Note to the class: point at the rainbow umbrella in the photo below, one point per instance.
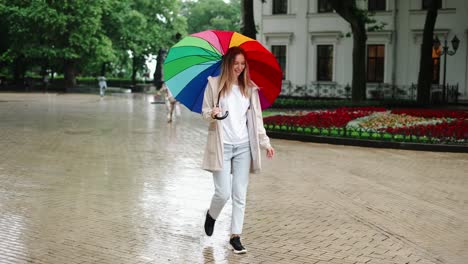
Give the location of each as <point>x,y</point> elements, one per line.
<point>189,63</point>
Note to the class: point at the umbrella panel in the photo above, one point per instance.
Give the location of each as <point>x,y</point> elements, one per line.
<point>196,42</point>
<point>192,95</point>
<point>177,66</point>
<point>180,81</point>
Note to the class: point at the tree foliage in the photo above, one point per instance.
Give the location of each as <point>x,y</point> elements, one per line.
<point>212,14</point>
<point>83,36</point>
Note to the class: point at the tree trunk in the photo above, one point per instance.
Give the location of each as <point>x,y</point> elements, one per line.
<point>19,71</point>
<point>158,73</point>
<point>359,82</point>
<point>247,19</point>
<point>134,69</point>
<point>425,64</point>
<point>347,10</point>
<point>69,74</point>
<point>103,69</point>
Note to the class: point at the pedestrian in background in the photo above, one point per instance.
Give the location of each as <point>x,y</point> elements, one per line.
<point>46,82</point>
<point>102,85</point>
<point>234,140</point>
<point>172,105</point>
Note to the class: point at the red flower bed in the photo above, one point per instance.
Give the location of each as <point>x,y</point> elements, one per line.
<point>457,129</point>
<point>432,113</point>
<point>441,126</point>
<point>323,119</point>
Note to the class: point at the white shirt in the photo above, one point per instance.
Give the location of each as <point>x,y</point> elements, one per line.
<point>235,125</point>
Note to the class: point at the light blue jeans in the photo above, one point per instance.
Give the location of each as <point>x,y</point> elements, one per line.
<point>236,161</point>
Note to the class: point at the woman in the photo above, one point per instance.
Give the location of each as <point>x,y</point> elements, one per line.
<point>171,103</point>
<point>234,140</point>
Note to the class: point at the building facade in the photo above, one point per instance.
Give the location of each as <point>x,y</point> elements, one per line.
<point>313,45</point>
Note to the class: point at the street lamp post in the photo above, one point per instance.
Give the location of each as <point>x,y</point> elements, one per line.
<point>445,51</point>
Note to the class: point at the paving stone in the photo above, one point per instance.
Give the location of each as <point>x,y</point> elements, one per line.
<point>91,180</point>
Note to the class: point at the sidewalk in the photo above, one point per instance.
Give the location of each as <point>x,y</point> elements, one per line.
<point>91,180</point>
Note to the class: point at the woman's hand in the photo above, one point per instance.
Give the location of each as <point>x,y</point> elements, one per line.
<point>270,152</point>
<point>215,111</point>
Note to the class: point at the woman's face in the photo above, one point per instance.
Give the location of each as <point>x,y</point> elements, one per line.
<point>239,64</point>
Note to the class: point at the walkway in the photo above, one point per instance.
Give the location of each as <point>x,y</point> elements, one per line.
<point>85,180</point>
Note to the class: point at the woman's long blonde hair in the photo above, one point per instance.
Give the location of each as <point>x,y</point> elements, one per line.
<point>227,74</point>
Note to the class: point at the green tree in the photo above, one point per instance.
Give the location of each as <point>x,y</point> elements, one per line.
<point>141,27</point>
<point>212,14</point>
<point>44,32</point>
<point>84,36</point>
<point>4,36</point>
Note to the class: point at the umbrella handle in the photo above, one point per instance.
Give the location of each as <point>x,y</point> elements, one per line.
<point>217,105</point>
<point>222,117</point>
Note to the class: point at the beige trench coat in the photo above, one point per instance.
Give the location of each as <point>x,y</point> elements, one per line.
<point>213,157</point>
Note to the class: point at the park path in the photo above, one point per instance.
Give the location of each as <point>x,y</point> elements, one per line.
<point>90,180</point>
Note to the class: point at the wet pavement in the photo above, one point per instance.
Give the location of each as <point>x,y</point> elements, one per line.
<point>90,180</point>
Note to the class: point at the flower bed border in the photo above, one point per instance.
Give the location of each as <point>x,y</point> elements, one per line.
<point>367,143</point>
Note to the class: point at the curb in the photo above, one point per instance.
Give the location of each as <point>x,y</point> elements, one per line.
<point>368,143</point>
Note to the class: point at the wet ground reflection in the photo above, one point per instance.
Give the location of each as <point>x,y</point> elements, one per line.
<point>91,180</point>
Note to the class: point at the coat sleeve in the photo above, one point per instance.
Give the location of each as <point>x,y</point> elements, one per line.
<point>264,140</point>
<point>207,105</point>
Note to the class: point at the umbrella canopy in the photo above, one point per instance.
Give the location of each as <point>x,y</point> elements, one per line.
<point>197,56</point>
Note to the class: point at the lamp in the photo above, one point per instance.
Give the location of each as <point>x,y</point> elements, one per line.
<point>436,43</point>
<point>445,51</point>
<point>455,43</point>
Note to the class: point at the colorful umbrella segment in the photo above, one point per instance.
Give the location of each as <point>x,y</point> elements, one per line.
<point>194,58</point>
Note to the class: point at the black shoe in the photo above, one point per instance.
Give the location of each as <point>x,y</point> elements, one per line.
<point>237,245</point>
<point>209,224</point>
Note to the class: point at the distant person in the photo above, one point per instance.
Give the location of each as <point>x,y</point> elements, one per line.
<point>46,83</point>
<point>102,85</point>
<point>172,104</point>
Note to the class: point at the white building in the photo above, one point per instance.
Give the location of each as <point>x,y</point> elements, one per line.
<point>313,48</point>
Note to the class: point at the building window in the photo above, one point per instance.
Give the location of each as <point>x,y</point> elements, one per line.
<point>436,65</point>
<point>280,7</point>
<point>375,63</point>
<point>280,53</point>
<point>325,63</point>
<point>425,4</point>
<point>376,5</point>
<point>324,6</point>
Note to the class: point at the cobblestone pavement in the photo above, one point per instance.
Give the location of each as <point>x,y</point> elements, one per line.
<point>90,180</point>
